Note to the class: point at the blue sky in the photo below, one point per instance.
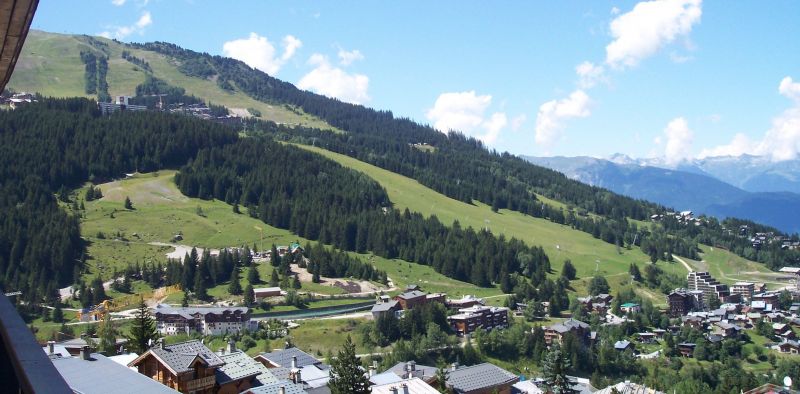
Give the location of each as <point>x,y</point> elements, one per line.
<point>674,79</point>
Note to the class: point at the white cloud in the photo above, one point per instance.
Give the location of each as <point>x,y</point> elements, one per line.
<point>552,114</point>
<point>615,11</point>
<point>740,145</point>
<point>780,142</point>
<point>290,44</point>
<point>678,144</point>
<point>334,82</point>
<point>465,112</point>
<point>348,57</point>
<point>258,52</point>
<point>518,121</point>
<point>118,3</point>
<point>790,89</point>
<point>649,26</point>
<point>589,74</point>
<point>121,32</point>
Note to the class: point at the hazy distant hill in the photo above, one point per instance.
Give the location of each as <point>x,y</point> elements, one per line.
<point>690,188</point>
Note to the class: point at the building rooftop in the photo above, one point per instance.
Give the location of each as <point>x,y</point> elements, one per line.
<point>275,388</point>
<point>384,306</point>
<point>627,387</point>
<point>180,356</point>
<point>283,358</point>
<point>188,312</point>
<point>476,377</point>
<point>420,371</point>
<point>569,325</point>
<point>411,294</point>
<point>411,386</point>
<point>622,345</point>
<point>238,365</point>
<point>101,375</point>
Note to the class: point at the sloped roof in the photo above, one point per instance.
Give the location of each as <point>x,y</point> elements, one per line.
<point>238,365</point>
<point>622,344</point>
<point>479,376</point>
<point>180,356</point>
<point>411,294</point>
<point>420,371</point>
<point>274,388</point>
<point>413,385</point>
<point>101,375</point>
<point>284,358</point>
<point>384,306</point>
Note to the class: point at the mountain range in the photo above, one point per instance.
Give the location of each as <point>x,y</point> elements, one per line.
<point>749,187</point>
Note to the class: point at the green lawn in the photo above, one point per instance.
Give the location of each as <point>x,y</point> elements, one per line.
<point>50,64</point>
<point>729,268</point>
<point>161,211</point>
<point>560,242</point>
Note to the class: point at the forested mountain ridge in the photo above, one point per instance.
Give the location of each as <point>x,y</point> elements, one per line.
<point>456,166</point>
<point>682,189</point>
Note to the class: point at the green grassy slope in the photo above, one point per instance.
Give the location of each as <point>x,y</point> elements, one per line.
<point>50,64</point>
<point>161,211</point>
<point>729,268</point>
<point>560,242</point>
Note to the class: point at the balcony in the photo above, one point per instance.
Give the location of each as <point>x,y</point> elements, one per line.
<point>200,384</point>
<point>24,367</point>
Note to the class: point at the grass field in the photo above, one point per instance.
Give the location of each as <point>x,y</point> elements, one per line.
<point>560,242</point>
<point>50,64</point>
<point>729,268</point>
<point>161,211</point>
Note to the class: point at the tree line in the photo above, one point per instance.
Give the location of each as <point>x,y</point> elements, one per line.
<point>58,144</point>
<point>318,199</point>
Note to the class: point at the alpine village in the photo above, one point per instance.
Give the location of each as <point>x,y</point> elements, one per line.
<point>175,221</point>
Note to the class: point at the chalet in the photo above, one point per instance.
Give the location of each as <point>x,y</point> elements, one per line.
<point>466,301</point>
<point>693,321</point>
<point>743,289</point>
<point>774,317</point>
<point>385,306</point>
<point>630,307</point>
<point>241,373</point>
<point>409,370</point>
<point>481,379</point>
<point>623,345</point>
<point>770,301</point>
<point>783,330</point>
<point>204,320</point>
<point>411,386</point>
<point>412,298</point>
<point>188,367</point>
<point>297,366</point>
<point>556,332</point>
<point>628,387</point>
<point>680,302</point>
<point>599,304</point>
<point>686,349</point>
<point>266,292</point>
<point>726,330</point>
<point>647,337</point>
<point>479,316</point>
<point>95,373</point>
<point>790,347</point>
<point>769,388</point>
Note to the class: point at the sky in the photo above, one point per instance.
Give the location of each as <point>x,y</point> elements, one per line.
<point>668,79</point>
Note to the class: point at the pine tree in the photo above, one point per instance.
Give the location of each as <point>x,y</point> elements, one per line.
<point>108,336</point>
<point>347,376</point>
<point>635,273</point>
<point>249,295</point>
<point>58,314</point>
<point>252,275</point>
<point>296,283</point>
<point>275,260</point>
<point>185,301</point>
<point>235,288</point>
<point>143,330</point>
<point>200,286</point>
<point>274,280</point>
<point>554,368</point>
<point>128,203</point>
<point>569,270</point>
